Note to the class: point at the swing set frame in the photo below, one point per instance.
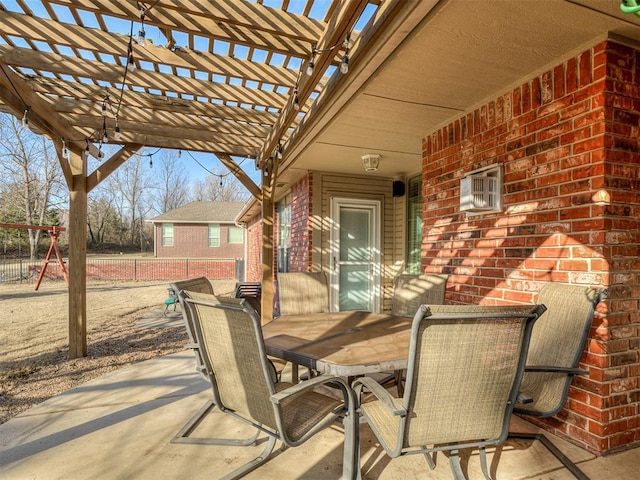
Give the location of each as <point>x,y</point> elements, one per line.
<point>54,232</point>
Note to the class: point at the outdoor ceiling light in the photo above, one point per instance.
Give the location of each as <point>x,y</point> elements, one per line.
<point>371,161</point>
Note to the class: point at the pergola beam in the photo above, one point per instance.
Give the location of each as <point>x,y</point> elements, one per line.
<point>99,42</point>
<point>255,35</point>
<point>20,98</point>
<point>107,168</point>
<point>114,74</point>
<point>242,177</point>
<point>335,33</point>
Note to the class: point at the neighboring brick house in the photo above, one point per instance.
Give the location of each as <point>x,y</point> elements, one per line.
<point>199,230</point>
<point>565,141</point>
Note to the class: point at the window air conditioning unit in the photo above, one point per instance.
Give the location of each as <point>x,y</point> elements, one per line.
<point>480,192</point>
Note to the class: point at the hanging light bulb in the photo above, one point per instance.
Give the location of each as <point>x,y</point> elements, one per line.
<point>142,37</point>
<point>279,151</point>
<point>151,162</point>
<point>310,67</point>
<point>86,149</point>
<point>296,102</point>
<point>344,66</point>
<point>179,153</point>
<point>116,132</point>
<point>220,182</point>
<point>65,150</point>
<point>131,66</point>
<point>105,137</point>
<point>25,119</point>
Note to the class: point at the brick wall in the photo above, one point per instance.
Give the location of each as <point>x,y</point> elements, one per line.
<point>254,250</point>
<point>192,240</point>
<point>567,141</point>
<point>301,225</point>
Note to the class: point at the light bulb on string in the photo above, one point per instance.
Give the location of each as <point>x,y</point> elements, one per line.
<point>131,66</point>
<point>310,67</point>
<point>25,119</point>
<point>105,137</point>
<point>344,66</point>
<point>150,162</point>
<point>142,37</point>
<point>116,132</point>
<point>179,153</point>
<point>65,150</point>
<point>296,102</point>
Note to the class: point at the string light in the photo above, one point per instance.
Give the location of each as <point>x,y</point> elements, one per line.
<point>142,37</point>
<point>279,150</point>
<point>65,150</point>
<point>105,136</point>
<point>311,65</point>
<point>104,104</point>
<point>25,118</point>
<point>86,149</point>
<point>344,66</point>
<point>131,66</point>
<point>296,101</point>
<point>150,161</point>
<point>116,131</point>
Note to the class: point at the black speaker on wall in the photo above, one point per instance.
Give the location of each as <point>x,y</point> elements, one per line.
<point>398,188</point>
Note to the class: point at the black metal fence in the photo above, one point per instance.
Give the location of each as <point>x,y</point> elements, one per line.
<point>127,269</point>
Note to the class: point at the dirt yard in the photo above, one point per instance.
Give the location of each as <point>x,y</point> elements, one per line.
<point>34,362</point>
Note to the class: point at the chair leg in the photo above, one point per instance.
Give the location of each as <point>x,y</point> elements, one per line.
<point>252,464</point>
<point>428,456</point>
<point>454,462</point>
<point>351,453</point>
<point>568,464</point>
<point>483,463</point>
<point>183,435</point>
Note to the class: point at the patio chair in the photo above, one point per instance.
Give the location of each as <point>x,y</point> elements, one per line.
<point>230,335</point>
<point>201,285</point>
<point>557,343</point>
<point>252,291</point>
<point>463,374</point>
<point>303,292</point>
<point>409,292</point>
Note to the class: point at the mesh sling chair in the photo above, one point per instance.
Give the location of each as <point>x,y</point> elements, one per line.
<point>464,369</point>
<point>183,288</point>
<point>230,336</point>
<point>300,293</point>
<point>409,292</point>
<point>557,343</point>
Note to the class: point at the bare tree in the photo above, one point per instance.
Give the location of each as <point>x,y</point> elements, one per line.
<point>173,188</point>
<point>220,186</point>
<point>30,175</point>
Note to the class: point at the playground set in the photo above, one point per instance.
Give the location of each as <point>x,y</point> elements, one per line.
<point>54,233</point>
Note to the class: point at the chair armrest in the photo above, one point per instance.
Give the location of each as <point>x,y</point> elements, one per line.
<point>554,369</point>
<point>307,385</point>
<point>392,403</point>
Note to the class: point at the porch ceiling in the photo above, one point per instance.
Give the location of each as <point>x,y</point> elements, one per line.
<point>461,55</point>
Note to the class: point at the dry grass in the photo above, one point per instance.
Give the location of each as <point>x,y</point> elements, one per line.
<point>34,362</point>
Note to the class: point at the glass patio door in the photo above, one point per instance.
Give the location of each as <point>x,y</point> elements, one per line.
<point>355,255</point>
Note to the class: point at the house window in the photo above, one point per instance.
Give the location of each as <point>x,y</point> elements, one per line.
<point>284,233</point>
<point>414,224</point>
<point>167,234</point>
<point>236,235</point>
<point>214,235</point>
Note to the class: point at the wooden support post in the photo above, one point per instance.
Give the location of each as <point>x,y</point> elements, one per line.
<point>78,258</point>
<point>269,175</point>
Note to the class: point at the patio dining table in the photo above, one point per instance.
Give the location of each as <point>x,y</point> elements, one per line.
<point>341,343</point>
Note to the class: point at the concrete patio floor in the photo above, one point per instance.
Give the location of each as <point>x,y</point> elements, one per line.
<point>120,426</point>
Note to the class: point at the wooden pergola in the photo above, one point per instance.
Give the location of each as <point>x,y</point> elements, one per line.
<point>230,78</point>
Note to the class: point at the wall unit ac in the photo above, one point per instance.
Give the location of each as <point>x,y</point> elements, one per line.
<point>481,192</point>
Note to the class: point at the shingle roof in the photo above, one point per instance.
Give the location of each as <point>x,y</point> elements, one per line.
<point>202,212</point>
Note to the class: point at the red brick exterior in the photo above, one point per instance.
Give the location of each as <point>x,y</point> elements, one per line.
<point>191,240</point>
<point>568,143</point>
<point>254,250</point>
<point>301,226</point>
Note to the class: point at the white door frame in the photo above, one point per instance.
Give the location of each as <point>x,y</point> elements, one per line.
<point>374,207</point>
